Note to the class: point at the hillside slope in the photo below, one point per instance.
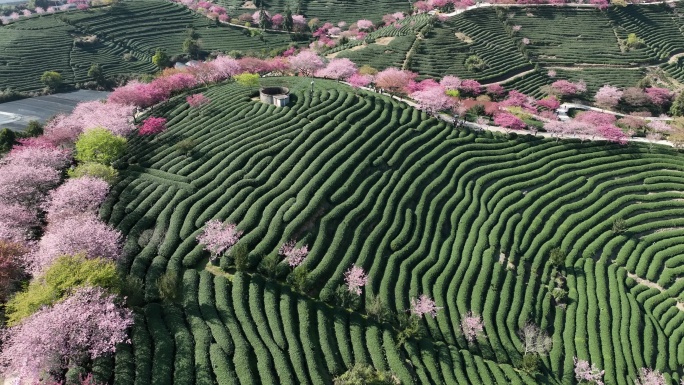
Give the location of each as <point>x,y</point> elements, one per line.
<point>468,219</point>
<point>574,43</point>
<point>35,45</point>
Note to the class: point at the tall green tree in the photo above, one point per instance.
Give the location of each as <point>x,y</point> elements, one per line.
<point>263,18</point>
<point>289,22</point>
<point>52,79</point>
<point>192,47</point>
<point>38,3</point>
<point>677,108</point>
<point>95,72</point>
<point>160,59</point>
<point>66,274</point>
<point>7,138</point>
<point>99,145</point>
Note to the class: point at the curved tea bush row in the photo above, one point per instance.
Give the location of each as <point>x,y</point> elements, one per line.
<point>443,53</point>
<point>468,219</point>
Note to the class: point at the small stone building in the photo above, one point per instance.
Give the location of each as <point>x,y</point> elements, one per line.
<point>278,96</point>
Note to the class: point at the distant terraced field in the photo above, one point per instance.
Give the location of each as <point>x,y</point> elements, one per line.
<point>46,43</point>
<point>326,10</point>
<point>577,44</point>
<point>469,219</point>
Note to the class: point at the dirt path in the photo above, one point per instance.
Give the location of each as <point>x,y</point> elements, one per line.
<point>354,48</point>
<point>574,5</point>
<point>518,75</point>
<point>563,111</point>
<point>406,63</point>
<point>652,285</point>
<point>674,58</point>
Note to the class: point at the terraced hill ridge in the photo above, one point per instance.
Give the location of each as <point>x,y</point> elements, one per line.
<point>575,43</point>
<point>469,219</point>
<point>136,27</point>
<point>325,10</point>
<point>521,45</point>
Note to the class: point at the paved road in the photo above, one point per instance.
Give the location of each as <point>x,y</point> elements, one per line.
<point>565,107</point>
<point>16,115</point>
<point>449,119</point>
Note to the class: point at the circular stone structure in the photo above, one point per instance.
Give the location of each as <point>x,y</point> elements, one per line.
<point>278,96</point>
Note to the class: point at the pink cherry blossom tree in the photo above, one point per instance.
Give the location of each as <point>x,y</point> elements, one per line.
<point>649,376</point>
<point>556,128</point>
<point>659,128</point>
<point>338,69</point>
<point>515,99</point>
<point>76,197</point>
<point>364,25</point>
<point>600,4</point>
<point>306,62</point>
<point>218,237</point>
<point>277,20</point>
<point>26,185</point>
<point>294,256</point>
<point>62,131</point>
<point>584,372</point>
<point>198,100</point>
<point>152,125</point>
<point>495,90</point>
<point>508,120</point>
<point>392,18</point>
<point>38,156</point>
<point>424,305</point>
<point>16,222</point>
<point>450,82</point>
<point>630,122</point>
<point>472,326</point>
<point>299,22</point>
<point>81,234</point>
<point>256,16</point>
<point>115,117</point>
<point>423,85</point>
<point>355,278</point>
<point>358,80</point>
<point>612,133</point>
<point>203,73</point>
<point>138,94</point>
<point>549,103</point>
<point>471,86</point>
<point>565,88</point>
<point>595,118</point>
<point>422,6</point>
<point>87,324</point>
<point>167,85</point>
<point>253,65</point>
<point>225,67</point>
<point>608,96</point>
<point>433,99</point>
<point>278,65</point>
<point>659,96</point>
<point>394,80</point>
<point>11,267</point>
